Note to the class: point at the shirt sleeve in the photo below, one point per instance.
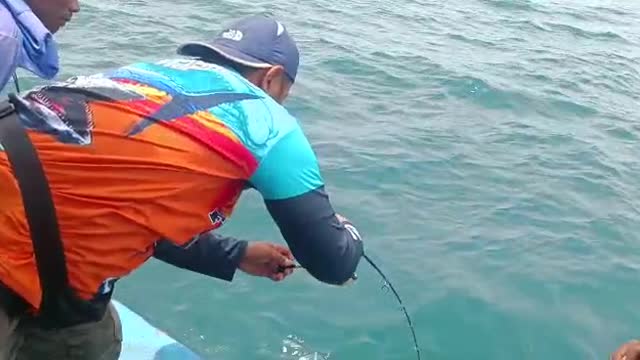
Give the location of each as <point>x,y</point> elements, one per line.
<point>9,48</point>
<point>208,254</point>
<point>289,169</point>
<point>290,182</point>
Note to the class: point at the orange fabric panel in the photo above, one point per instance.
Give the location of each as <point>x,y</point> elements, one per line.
<point>114,198</point>
<point>17,264</point>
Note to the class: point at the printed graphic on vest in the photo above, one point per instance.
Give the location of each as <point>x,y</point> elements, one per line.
<point>62,110</point>
<point>217,217</point>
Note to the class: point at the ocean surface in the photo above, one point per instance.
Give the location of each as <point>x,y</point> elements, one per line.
<point>489,151</point>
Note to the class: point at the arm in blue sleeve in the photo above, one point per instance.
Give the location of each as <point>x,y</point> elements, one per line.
<point>290,182</point>
<point>208,254</point>
<point>9,48</point>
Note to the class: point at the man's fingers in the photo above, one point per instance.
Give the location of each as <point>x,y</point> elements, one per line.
<point>617,355</point>
<point>283,260</point>
<point>277,262</point>
<point>281,263</point>
<point>285,269</point>
<point>628,351</point>
<point>283,250</point>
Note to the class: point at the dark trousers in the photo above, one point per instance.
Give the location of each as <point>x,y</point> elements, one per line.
<point>21,339</point>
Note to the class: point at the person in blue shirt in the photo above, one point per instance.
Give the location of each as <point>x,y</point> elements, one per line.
<point>262,51</point>
<point>26,36</point>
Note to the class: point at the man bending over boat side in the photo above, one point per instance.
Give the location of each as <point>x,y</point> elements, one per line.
<point>137,161</point>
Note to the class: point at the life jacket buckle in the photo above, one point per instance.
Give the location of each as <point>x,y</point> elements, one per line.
<point>7,107</point>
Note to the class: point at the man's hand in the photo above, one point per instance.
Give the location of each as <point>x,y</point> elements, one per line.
<point>628,351</point>
<point>266,260</point>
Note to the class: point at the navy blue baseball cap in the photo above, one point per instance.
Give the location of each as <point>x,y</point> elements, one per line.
<point>254,41</point>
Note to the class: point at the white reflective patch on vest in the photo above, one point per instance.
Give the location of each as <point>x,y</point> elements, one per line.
<point>107,285</point>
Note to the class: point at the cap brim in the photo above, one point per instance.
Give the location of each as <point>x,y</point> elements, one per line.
<point>199,49</point>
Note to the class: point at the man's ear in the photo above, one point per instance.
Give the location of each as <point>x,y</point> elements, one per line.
<point>272,79</point>
<point>274,83</point>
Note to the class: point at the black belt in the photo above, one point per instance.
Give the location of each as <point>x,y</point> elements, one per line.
<point>60,307</point>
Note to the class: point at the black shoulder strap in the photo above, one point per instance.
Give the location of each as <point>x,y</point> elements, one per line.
<point>38,205</point>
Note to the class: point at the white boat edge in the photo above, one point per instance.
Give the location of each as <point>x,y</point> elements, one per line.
<point>143,341</point>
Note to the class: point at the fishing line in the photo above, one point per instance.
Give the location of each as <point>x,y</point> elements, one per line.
<point>404,309</point>
<point>388,285</point>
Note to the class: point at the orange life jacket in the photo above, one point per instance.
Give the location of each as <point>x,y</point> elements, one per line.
<point>116,193</point>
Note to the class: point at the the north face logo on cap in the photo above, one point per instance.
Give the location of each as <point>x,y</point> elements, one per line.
<point>231,34</point>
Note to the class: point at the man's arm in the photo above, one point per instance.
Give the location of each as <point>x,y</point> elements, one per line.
<point>208,254</point>
<point>9,47</point>
<point>289,180</point>
<point>328,247</point>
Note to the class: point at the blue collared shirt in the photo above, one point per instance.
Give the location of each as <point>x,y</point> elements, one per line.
<point>25,42</point>
<point>10,39</point>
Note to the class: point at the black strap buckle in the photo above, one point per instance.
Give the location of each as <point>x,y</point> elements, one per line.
<point>7,107</point>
